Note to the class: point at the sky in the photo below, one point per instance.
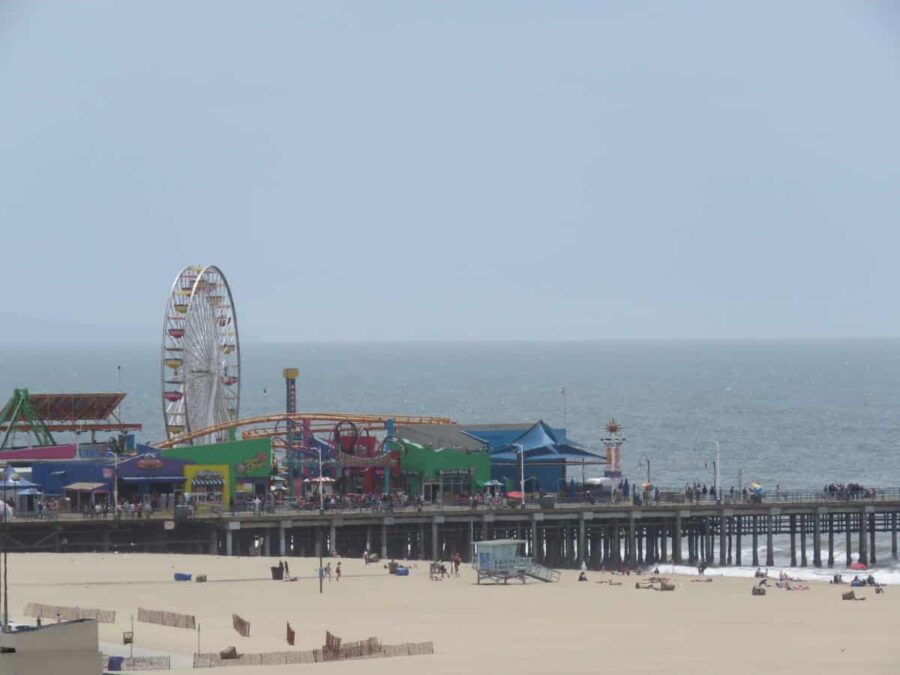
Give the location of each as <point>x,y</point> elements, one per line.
<point>503,170</point>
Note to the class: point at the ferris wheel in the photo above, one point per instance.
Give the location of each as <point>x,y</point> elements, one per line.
<point>201,357</point>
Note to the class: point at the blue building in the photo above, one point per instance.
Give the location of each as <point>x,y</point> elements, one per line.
<point>546,453</point>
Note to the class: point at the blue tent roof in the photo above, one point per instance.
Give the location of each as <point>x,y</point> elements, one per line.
<point>498,438</point>
<point>21,484</point>
<point>540,444</point>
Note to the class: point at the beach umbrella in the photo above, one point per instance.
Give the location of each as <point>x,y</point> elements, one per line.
<point>514,495</point>
<point>857,566</point>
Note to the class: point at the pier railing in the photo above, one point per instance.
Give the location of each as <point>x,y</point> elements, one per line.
<point>667,498</point>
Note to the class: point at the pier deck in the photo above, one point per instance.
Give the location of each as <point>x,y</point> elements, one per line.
<point>604,535</point>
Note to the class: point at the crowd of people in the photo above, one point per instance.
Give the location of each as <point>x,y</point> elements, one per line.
<point>848,491</point>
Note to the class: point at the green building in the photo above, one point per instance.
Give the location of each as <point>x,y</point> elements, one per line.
<point>220,471</point>
<point>431,472</point>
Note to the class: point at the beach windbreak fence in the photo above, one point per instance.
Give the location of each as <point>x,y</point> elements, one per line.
<point>37,610</point>
<point>162,618</point>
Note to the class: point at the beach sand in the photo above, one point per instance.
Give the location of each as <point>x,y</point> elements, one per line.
<point>567,627</point>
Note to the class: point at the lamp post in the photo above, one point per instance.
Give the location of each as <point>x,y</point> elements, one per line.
<point>321,513</point>
<point>718,462</point>
<point>521,471</point>
<point>115,481</point>
<point>647,461</point>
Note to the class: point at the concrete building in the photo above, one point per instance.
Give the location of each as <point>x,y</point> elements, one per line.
<point>70,647</point>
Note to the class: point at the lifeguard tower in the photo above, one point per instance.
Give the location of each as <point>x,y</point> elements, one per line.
<point>499,560</point>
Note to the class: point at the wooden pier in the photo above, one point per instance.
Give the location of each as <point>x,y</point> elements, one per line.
<point>605,536</point>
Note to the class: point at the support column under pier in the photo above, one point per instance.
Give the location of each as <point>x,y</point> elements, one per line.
<point>792,524</point>
<point>632,553</point>
<point>871,519</point>
<point>803,541</point>
<point>755,540</point>
<point>817,539</point>
<point>229,542</point>
<point>770,548</point>
<point>435,553</point>
<point>849,539</point>
<point>863,539</point>
<point>831,540</point>
<point>738,525</point>
<point>722,547</point>
<point>582,539</point>
<point>894,536</point>
<point>676,541</point>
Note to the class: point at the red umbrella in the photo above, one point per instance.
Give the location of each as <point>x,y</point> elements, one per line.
<point>514,495</point>
<point>857,566</point>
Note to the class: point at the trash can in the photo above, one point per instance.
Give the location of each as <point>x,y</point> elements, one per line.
<point>115,663</point>
<point>277,573</point>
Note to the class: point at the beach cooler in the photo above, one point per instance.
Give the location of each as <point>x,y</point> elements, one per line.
<point>402,572</point>
<point>181,576</point>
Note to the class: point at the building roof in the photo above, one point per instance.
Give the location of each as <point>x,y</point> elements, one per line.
<point>49,452</point>
<point>459,436</point>
<point>84,487</point>
<point>541,444</point>
<point>75,407</point>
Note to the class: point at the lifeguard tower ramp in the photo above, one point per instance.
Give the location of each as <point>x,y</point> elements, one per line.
<point>500,561</point>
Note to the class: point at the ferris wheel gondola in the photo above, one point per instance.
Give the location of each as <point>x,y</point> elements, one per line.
<point>201,363</point>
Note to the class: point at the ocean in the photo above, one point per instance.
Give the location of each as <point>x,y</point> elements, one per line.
<point>793,414</point>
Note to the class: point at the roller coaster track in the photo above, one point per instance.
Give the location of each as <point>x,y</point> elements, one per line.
<point>268,426</point>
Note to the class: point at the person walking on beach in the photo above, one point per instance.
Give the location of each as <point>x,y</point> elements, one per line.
<point>366,556</point>
<point>328,571</point>
<point>337,572</point>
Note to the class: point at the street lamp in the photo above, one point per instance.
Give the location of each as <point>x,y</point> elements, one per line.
<point>647,462</point>
<point>115,480</point>
<point>716,486</point>
<point>321,513</point>
<point>521,471</point>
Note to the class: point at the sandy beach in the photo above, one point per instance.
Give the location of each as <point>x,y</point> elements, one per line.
<point>568,627</point>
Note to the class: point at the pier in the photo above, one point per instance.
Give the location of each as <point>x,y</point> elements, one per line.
<point>604,535</point>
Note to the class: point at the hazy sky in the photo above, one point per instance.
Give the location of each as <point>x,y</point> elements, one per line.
<point>465,170</point>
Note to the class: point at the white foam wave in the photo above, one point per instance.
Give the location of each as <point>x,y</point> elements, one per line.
<point>884,575</point>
